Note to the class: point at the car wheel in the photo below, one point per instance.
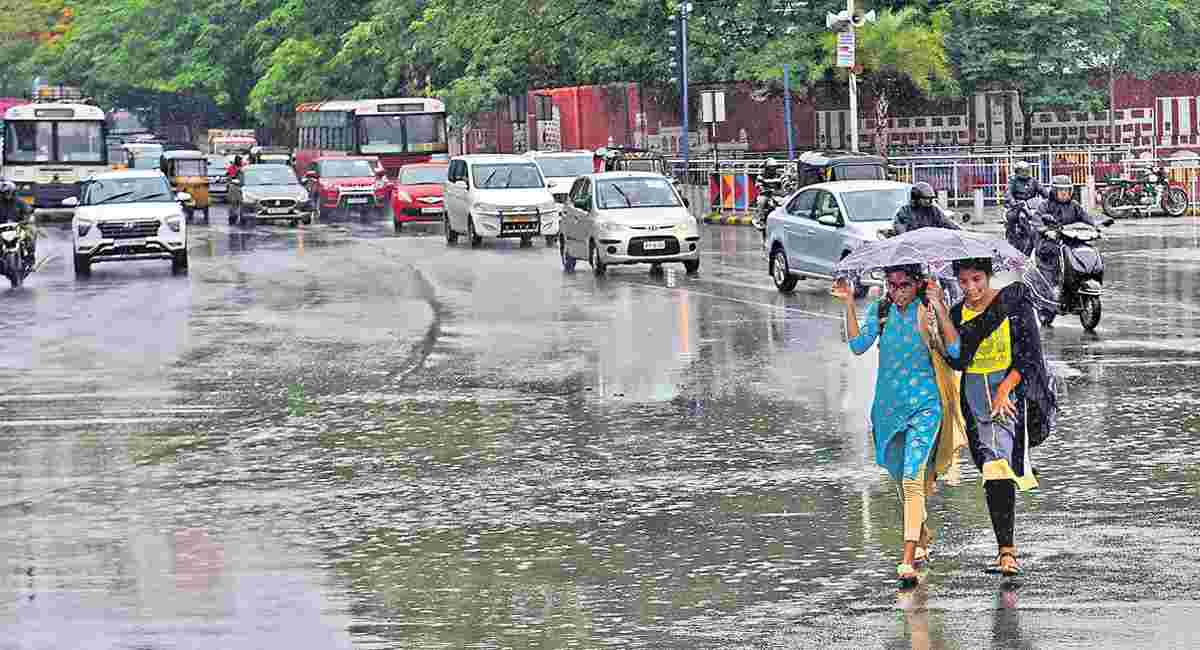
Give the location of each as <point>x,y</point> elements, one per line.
<point>784,280</point>
<point>83,266</point>
<point>476,240</point>
<point>451,236</point>
<point>550,240</point>
<point>399,225</point>
<point>568,262</point>
<point>179,262</point>
<point>526,242</point>
<point>691,266</point>
<point>598,265</point>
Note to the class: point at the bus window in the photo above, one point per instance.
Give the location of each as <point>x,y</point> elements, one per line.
<point>381,134</point>
<point>29,141</point>
<point>80,142</point>
<point>425,132</point>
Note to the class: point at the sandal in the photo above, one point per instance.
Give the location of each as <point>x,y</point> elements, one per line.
<point>1009,571</point>
<point>922,555</point>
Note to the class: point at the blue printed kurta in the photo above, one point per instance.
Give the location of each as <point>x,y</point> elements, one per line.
<point>907,411</point>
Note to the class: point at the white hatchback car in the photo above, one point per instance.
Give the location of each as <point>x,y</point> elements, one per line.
<point>628,218</point>
<point>501,196</point>
<point>128,215</point>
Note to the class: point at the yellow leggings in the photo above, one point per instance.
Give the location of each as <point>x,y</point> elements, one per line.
<point>912,496</point>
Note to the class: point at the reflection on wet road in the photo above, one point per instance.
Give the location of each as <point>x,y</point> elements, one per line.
<point>340,437</point>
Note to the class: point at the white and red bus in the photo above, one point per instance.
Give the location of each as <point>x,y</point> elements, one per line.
<point>398,131</point>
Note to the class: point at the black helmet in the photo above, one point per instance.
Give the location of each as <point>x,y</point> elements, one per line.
<point>1062,183</point>
<point>1022,169</point>
<point>922,195</point>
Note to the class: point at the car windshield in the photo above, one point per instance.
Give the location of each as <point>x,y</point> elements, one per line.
<point>270,175</point>
<point>347,169</point>
<point>562,166</point>
<point>507,175</point>
<point>635,192</point>
<point>875,205</point>
<point>422,175</point>
<point>126,190</point>
<point>190,167</point>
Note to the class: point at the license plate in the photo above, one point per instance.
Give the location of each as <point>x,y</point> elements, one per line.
<point>357,201</point>
<point>654,246</point>
<point>431,210</point>
<point>278,210</point>
<point>129,243</point>
<point>520,219</point>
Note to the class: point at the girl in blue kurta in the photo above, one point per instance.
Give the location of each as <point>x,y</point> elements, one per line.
<point>907,413</point>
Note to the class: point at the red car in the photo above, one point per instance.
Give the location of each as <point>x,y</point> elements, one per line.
<point>417,194</point>
<point>345,184</point>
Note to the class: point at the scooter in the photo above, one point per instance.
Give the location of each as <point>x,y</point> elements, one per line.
<point>1080,274</point>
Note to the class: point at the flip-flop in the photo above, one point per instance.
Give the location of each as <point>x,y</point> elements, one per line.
<point>998,569</point>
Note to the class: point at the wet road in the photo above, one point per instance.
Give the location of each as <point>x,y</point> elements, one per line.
<point>338,437</point>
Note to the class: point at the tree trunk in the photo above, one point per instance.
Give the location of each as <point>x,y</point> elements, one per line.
<point>881,122</point>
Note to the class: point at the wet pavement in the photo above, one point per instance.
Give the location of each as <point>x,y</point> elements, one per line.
<point>340,437</point>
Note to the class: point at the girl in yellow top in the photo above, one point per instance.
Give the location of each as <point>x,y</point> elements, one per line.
<point>1008,398</point>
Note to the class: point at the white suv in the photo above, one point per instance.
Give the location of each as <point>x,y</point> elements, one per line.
<point>128,215</point>
<point>501,196</point>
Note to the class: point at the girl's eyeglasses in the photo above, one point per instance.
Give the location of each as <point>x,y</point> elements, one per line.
<point>907,284</point>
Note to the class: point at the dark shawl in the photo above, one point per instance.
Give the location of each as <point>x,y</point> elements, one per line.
<point>1034,396</point>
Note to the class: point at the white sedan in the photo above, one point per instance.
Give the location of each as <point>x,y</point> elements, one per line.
<point>627,218</point>
<point>126,216</point>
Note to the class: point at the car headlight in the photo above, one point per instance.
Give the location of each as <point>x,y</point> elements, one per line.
<point>404,197</point>
<point>175,223</point>
<point>82,227</point>
<point>610,226</point>
<point>487,208</point>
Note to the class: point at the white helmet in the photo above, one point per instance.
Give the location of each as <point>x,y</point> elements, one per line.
<point>770,162</point>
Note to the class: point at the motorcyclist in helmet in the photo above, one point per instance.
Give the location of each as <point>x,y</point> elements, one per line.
<point>1022,186</point>
<point>770,170</point>
<point>922,211</point>
<point>1062,209</point>
<point>1062,206</point>
<point>13,210</point>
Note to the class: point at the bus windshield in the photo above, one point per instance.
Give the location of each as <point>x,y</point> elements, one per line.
<point>402,133</point>
<point>77,142</point>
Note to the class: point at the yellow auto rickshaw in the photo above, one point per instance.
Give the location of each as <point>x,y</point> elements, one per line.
<point>187,171</point>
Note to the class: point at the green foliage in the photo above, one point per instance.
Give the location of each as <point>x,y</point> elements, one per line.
<point>256,59</point>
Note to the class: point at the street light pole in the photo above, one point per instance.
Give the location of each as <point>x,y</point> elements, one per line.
<point>853,88</point>
<point>679,60</point>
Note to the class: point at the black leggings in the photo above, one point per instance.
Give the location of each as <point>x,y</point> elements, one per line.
<point>1001,499</point>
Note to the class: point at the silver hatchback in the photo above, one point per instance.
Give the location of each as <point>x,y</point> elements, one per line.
<point>819,225</point>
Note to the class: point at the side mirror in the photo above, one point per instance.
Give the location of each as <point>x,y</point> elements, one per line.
<point>966,217</point>
<point>549,184</point>
<point>183,197</point>
<point>70,202</point>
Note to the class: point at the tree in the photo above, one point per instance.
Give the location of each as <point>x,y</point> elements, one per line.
<point>897,50</point>
<point>1038,48</point>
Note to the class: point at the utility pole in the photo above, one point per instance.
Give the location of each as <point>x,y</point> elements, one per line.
<point>843,24</point>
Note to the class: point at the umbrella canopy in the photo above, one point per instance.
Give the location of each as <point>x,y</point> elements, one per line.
<point>931,246</point>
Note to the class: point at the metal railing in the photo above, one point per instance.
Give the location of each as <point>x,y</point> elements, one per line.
<point>960,174</point>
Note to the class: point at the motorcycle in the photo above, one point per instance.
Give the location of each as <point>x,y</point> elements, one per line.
<point>1079,276</point>
<point>14,253</point>
<point>1018,224</point>
<point>1140,195</point>
<point>771,193</point>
